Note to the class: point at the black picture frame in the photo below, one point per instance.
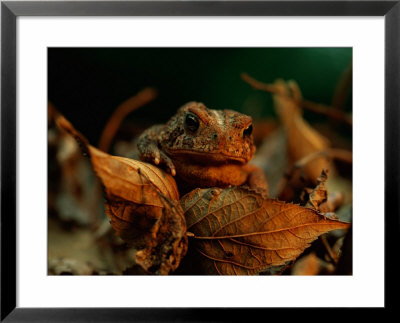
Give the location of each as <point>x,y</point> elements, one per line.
<point>10,10</point>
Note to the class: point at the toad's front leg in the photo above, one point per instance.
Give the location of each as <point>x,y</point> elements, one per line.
<point>256,179</point>
<point>149,151</point>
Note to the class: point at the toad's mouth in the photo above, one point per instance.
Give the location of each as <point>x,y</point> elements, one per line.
<point>201,157</point>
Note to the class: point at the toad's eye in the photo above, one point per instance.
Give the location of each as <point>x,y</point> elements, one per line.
<point>191,122</point>
<point>247,132</point>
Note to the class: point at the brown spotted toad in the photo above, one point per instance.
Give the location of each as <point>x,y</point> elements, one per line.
<point>204,148</point>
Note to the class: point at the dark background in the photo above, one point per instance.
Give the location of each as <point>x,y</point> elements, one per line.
<point>87,84</point>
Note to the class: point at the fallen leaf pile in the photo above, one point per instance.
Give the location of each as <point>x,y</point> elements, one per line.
<point>231,231</point>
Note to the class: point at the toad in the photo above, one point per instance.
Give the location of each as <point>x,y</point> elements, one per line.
<point>204,148</point>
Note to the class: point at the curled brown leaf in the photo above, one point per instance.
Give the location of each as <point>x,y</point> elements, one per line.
<point>302,139</point>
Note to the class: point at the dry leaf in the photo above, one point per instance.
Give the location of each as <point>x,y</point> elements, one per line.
<point>142,203</point>
<point>238,232</point>
<point>303,140</point>
<point>311,265</point>
<point>131,179</point>
<point>320,200</point>
<point>271,157</point>
<point>319,194</point>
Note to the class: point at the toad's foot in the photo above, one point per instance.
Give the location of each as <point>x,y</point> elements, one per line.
<point>154,155</point>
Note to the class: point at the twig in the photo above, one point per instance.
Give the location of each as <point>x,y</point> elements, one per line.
<point>315,107</point>
<point>329,250</point>
<point>143,97</point>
